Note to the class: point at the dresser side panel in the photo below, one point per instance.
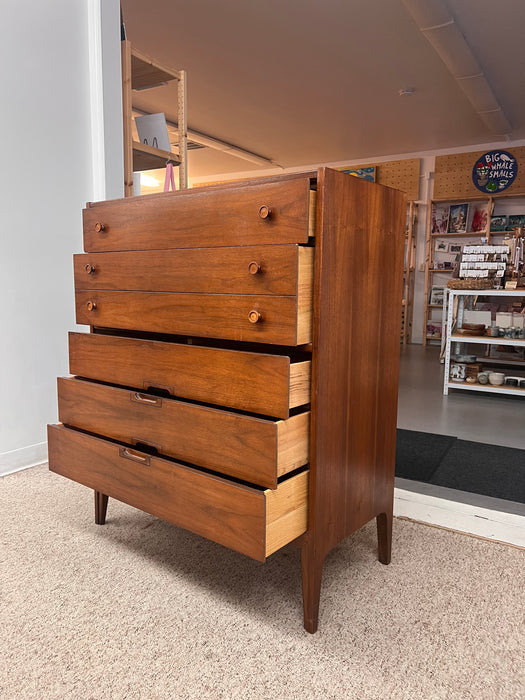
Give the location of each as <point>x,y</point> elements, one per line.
<point>357,311</point>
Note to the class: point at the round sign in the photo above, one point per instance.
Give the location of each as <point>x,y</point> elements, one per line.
<point>494,171</point>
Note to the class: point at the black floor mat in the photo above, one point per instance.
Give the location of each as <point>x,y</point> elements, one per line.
<point>489,470</point>
<point>418,455</point>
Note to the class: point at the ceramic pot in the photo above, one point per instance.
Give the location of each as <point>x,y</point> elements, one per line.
<point>496,378</point>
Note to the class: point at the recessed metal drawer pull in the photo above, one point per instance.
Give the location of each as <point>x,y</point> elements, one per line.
<point>144,398</point>
<point>134,456</point>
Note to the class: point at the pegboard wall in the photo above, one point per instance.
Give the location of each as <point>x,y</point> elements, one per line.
<point>453,176</point>
<point>400,174</point>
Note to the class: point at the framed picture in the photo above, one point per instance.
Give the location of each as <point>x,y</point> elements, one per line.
<point>498,222</point>
<point>455,248</point>
<point>362,173</point>
<point>458,218</point>
<point>442,247</point>
<point>515,220</point>
<point>479,218</point>
<point>436,295</point>
<point>440,216</point>
<point>434,329</point>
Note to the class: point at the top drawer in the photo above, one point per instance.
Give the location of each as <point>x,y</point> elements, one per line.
<point>259,213</point>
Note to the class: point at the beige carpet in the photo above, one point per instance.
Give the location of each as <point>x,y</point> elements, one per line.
<point>140,609</point>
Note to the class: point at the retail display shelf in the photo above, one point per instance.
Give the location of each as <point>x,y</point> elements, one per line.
<point>455,343</point>
<point>487,340</point>
<point>504,389</point>
<point>464,234</point>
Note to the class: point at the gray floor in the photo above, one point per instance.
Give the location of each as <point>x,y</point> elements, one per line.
<point>476,416</point>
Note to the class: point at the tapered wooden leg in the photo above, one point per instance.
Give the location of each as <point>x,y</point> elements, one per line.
<point>101,507</point>
<point>311,570</point>
<point>384,537</point>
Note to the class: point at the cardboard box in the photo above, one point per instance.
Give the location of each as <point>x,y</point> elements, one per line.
<point>504,319</point>
<point>477,317</point>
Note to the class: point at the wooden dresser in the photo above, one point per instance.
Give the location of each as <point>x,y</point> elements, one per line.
<point>240,376</point>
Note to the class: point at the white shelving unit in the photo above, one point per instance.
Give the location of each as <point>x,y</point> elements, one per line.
<point>461,340</point>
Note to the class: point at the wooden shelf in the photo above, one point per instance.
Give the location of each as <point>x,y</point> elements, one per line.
<point>408,273</point>
<point>141,72</point>
<point>150,158</point>
<point>147,73</point>
<point>459,235</point>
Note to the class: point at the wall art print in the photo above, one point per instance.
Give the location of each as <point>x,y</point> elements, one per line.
<point>362,173</point>
<point>494,171</point>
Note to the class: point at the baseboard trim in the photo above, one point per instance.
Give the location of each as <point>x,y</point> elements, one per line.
<point>496,525</point>
<point>23,458</point>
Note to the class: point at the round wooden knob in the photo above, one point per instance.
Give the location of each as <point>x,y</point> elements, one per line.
<point>99,227</point>
<point>90,269</point>
<point>254,268</point>
<point>265,212</point>
<point>91,305</point>
<point>254,316</point>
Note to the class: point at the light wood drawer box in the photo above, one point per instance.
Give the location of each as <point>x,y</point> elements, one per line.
<point>283,270</point>
<point>279,320</point>
<point>243,446</point>
<point>256,382</point>
<point>237,215</point>
<point>253,521</point>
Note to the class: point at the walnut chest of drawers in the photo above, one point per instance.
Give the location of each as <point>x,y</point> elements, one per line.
<point>240,376</point>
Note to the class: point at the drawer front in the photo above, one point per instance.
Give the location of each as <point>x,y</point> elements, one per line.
<point>279,270</point>
<point>252,521</point>
<point>253,449</point>
<point>265,319</point>
<point>248,381</point>
<point>249,214</point>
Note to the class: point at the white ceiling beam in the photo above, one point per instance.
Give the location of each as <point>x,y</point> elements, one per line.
<point>218,145</point>
<point>440,29</point>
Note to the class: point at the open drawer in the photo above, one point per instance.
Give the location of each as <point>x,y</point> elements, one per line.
<point>253,521</point>
<point>254,449</point>
<point>248,381</point>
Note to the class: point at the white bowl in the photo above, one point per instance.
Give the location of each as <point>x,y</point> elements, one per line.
<point>496,378</point>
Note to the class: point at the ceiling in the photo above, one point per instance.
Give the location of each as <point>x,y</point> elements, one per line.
<point>302,82</point>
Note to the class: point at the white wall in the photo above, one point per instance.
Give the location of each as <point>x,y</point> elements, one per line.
<point>45,180</point>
